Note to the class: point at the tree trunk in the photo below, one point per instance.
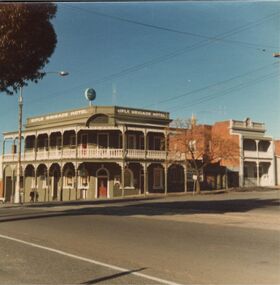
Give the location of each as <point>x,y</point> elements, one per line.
<point>197,184</point>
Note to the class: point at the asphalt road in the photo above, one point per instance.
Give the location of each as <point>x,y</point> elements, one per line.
<point>208,239</point>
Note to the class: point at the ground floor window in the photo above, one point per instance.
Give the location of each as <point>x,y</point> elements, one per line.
<point>68,179</point>
<point>158,177</point>
<point>43,178</point>
<point>83,179</point>
<point>128,178</point>
<point>176,175</point>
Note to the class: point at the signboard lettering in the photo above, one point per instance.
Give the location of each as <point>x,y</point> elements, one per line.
<point>141,113</point>
<point>58,116</point>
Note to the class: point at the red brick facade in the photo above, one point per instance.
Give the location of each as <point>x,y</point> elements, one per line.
<point>222,130</point>
<point>1,188</point>
<point>277,147</point>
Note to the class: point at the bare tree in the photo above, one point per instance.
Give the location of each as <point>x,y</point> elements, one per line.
<point>197,146</point>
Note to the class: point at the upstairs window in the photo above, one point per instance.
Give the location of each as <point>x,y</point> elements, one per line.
<point>141,142</point>
<point>72,141</point>
<point>158,143</point>
<point>131,142</point>
<point>192,145</point>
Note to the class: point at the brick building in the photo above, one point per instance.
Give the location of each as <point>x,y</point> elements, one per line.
<point>277,161</point>
<point>1,180</point>
<point>253,163</point>
<point>256,163</point>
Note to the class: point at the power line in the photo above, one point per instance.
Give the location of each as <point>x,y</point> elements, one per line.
<point>173,54</point>
<point>165,57</point>
<point>167,29</point>
<point>210,86</point>
<point>228,91</point>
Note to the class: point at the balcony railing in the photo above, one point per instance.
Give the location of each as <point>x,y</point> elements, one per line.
<point>100,153</point>
<point>156,154</point>
<point>260,154</point>
<point>135,153</point>
<point>86,153</point>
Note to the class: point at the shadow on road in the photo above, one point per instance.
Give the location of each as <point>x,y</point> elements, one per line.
<point>154,208</point>
<point>113,276</point>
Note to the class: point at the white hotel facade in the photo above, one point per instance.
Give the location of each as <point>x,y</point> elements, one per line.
<point>94,152</point>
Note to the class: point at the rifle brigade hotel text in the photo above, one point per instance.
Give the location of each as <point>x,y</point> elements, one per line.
<point>84,111</point>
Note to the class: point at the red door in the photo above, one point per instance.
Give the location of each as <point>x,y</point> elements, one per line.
<point>102,187</point>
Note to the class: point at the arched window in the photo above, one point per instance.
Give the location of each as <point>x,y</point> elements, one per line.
<point>69,178</point>
<point>83,179</point>
<point>102,172</point>
<point>158,178</point>
<point>128,178</point>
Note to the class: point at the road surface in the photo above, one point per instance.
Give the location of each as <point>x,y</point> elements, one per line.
<point>218,239</point>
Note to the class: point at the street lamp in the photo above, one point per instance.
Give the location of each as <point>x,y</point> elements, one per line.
<point>20,105</point>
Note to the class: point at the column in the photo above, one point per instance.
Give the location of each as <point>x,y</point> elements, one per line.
<point>145,168</point>
<point>35,178</point>
<point>185,178</point>
<point>258,172</point>
<point>146,190</point>
<point>3,149</point>
<point>22,194</point>
<point>124,157</point>
<point>49,138</point>
<point>76,164</point>
<point>165,178</point>
<point>24,147</point>
<point>61,183</point>
<point>14,148</point>
<point>166,164</point>
<point>226,178</point>
<point>122,170</point>
<point>35,146</point>
<point>241,167</point>
<point>219,181</point>
<point>62,143</point>
<point>124,142</point>
<point>13,185</point>
<point>257,147</point>
<point>273,165</point>
<point>61,176</point>
<point>76,182</point>
<point>145,143</point>
<point>48,182</point>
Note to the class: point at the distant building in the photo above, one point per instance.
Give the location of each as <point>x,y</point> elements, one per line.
<point>277,160</point>
<point>1,179</point>
<point>256,165</point>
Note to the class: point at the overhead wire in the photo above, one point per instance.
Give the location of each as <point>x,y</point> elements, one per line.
<point>191,92</point>
<point>166,56</point>
<point>226,92</point>
<point>172,30</point>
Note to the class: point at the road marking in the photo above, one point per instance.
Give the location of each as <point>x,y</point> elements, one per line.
<point>90,260</point>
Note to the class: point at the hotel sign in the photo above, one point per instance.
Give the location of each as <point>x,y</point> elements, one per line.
<point>142,113</point>
<point>58,116</point>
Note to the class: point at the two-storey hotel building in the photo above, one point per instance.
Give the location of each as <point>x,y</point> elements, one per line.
<point>90,153</point>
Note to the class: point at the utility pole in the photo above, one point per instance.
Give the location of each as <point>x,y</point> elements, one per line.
<point>19,169</point>
<point>17,188</point>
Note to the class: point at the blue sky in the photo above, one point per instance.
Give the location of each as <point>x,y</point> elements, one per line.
<point>211,59</point>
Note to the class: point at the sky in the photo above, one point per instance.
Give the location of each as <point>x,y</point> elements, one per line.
<point>211,59</point>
